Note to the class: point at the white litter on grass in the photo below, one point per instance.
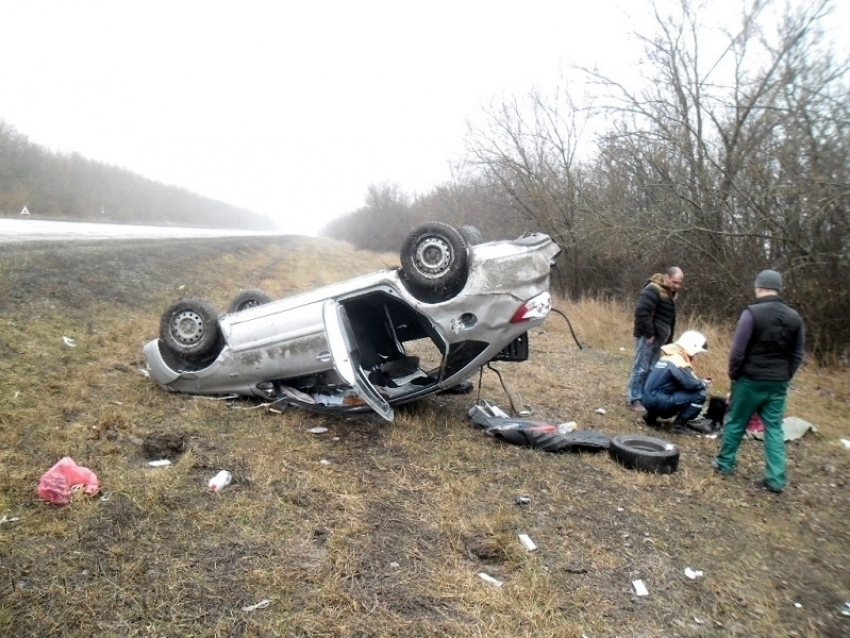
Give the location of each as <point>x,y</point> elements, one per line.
<point>669,447</point>
<point>693,574</point>
<point>640,588</point>
<point>220,481</point>
<point>317,430</point>
<point>69,342</point>
<point>600,410</point>
<point>846,610</point>
<point>489,579</point>
<point>144,373</point>
<point>324,462</point>
<point>260,605</point>
<point>6,519</point>
<point>797,605</point>
<point>845,443</point>
<point>525,539</point>
<point>159,463</point>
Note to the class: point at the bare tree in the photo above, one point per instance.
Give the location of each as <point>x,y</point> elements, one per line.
<point>734,157</point>
<point>529,150</point>
<point>729,155</point>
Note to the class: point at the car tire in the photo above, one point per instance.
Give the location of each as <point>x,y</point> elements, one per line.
<point>433,257</point>
<point>472,235</point>
<point>644,453</point>
<point>189,327</point>
<point>249,299</point>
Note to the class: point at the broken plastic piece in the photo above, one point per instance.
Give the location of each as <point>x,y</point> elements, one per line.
<point>292,393</point>
<point>260,605</point>
<point>640,588</point>
<point>693,574</point>
<point>567,427</point>
<point>159,463</point>
<point>58,484</point>
<point>525,539</point>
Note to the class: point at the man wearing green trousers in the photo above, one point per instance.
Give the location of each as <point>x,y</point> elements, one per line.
<point>767,350</point>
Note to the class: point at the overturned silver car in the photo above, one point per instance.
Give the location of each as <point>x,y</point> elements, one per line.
<point>386,338</point>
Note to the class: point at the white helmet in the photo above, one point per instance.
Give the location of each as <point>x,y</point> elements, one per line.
<point>692,342</point>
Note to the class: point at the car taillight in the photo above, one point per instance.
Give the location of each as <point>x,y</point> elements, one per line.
<point>535,308</point>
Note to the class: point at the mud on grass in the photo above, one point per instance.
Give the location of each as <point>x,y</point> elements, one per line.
<point>376,529</point>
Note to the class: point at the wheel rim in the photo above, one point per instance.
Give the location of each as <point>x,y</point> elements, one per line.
<point>433,256</point>
<point>187,327</point>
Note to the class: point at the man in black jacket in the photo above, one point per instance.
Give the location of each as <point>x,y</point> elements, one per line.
<point>767,349</point>
<point>655,322</point>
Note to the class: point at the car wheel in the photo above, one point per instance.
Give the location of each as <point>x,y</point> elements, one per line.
<point>433,256</point>
<point>189,326</point>
<point>472,235</point>
<point>644,453</point>
<point>249,299</point>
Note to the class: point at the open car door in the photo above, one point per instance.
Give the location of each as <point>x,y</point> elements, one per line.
<point>346,357</point>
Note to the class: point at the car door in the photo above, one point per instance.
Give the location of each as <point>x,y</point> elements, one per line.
<point>346,357</point>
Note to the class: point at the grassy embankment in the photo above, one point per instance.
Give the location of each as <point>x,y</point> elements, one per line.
<point>388,537</point>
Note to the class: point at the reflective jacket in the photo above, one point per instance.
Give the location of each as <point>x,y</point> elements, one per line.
<point>672,383</point>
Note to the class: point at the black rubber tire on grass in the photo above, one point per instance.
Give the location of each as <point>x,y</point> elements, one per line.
<point>189,327</point>
<point>644,453</point>
<point>249,299</point>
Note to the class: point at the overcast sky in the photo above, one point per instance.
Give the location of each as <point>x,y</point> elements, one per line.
<point>290,109</point>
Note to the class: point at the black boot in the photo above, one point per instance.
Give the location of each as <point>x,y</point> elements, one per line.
<point>651,419</point>
<point>680,426</point>
<point>704,425</point>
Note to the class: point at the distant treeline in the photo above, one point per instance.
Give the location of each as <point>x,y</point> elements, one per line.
<point>723,160</point>
<point>72,188</point>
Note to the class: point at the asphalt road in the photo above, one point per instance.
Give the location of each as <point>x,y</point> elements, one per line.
<point>24,229</point>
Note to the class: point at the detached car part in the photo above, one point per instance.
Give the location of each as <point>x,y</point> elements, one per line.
<point>374,341</point>
<point>644,453</point>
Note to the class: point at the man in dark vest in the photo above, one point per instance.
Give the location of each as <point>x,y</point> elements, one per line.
<point>767,349</point>
<point>655,322</point>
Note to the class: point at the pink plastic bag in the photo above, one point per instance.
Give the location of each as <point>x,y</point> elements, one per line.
<point>60,481</point>
<point>755,425</point>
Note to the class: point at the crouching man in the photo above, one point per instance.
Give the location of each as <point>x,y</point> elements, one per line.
<point>673,387</point>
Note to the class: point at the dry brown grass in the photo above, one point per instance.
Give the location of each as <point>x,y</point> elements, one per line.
<point>388,537</point>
